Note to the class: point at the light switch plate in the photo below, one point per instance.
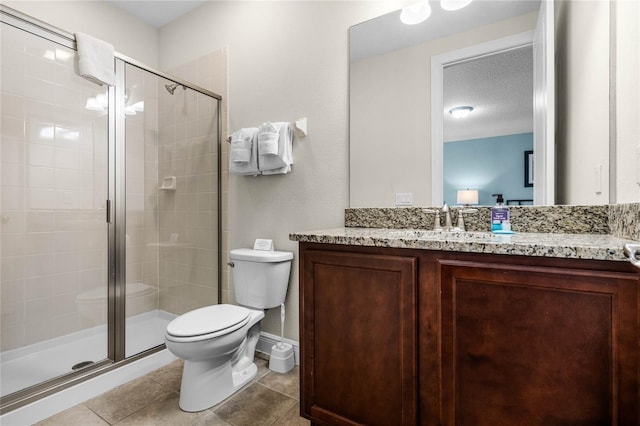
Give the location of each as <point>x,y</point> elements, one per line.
<point>404,198</point>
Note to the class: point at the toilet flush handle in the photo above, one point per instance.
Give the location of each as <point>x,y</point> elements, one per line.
<point>231,264</point>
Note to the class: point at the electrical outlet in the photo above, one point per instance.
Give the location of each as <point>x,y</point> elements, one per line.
<point>404,198</point>
<point>597,178</point>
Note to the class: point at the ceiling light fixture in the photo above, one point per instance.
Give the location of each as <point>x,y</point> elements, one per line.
<point>454,4</point>
<point>415,13</point>
<point>460,111</point>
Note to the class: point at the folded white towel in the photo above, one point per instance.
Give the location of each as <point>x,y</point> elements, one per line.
<point>241,150</point>
<point>268,135</point>
<point>95,60</point>
<point>280,163</point>
<point>244,138</point>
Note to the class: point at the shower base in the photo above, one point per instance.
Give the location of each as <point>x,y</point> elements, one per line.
<point>33,364</point>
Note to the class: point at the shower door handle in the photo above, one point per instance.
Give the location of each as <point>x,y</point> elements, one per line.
<point>108,204</point>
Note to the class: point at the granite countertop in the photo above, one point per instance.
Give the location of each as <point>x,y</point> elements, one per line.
<point>576,246</point>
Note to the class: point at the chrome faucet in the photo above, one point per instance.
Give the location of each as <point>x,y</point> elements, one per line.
<point>447,217</point>
<point>460,224</point>
<point>448,222</point>
<point>437,226</point>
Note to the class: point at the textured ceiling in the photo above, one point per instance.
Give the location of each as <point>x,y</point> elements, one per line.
<point>499,88</point>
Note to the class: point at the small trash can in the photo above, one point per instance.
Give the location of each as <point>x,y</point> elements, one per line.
<point>281,359</point>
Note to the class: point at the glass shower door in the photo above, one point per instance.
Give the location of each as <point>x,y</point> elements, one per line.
<point>53,228</point>
<point>171,204</point>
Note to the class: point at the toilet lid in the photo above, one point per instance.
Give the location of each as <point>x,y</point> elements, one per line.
<point>208,320</point>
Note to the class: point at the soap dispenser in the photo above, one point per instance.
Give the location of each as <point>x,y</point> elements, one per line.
<point>500,215</point>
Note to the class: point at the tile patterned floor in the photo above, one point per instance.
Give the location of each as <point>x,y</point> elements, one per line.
<point>270,399</point>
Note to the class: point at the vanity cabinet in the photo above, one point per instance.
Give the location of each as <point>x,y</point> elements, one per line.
<point>537,345</point>
<point>403,336</point>
<point>359,338</point>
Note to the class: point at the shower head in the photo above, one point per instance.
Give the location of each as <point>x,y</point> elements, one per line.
<point>172,87</point>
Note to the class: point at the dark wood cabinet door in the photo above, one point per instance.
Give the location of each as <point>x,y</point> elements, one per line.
<point>525,345</point>
<point>358,340</point>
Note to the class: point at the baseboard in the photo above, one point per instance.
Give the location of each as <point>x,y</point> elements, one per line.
<point>267,340</point>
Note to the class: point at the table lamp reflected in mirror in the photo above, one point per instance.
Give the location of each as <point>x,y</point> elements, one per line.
<point>466,197</point>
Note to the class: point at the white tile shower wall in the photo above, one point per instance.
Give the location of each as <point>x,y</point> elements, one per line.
<point>188,216</point>
<point>53,161</point>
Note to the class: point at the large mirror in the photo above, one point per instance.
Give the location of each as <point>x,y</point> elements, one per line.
<point>407,149</point>
<point>487,140</point>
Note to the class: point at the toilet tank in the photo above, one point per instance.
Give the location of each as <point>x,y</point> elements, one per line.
<point>260,278</point>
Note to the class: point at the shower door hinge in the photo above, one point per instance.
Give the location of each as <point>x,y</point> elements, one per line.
<point>108,211</point>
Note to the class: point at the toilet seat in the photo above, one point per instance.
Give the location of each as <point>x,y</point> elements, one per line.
<point>207,323</point>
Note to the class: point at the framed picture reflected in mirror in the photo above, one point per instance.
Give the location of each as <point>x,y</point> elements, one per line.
<point>528,168</point>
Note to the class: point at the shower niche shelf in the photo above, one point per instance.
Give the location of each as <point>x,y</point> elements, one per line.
<point>168,183</point>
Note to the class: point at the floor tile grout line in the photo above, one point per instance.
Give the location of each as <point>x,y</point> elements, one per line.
<point>275,390</point>
<point>94,412</point>
<point>278,391</point>
<point>229,398</point>
<point>147,404</point>
<point>293,402</point>
<point>275,422</point>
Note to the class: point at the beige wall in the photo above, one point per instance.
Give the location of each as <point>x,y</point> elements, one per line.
<point>129,35</point>
<point>390,113</point>
<point>582,104</point>
<point>628,101</point>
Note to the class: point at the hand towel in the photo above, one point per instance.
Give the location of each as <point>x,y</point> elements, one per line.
<point>241,144</point>
<point>280,163</point>
<point>268,135</point>
<point>95,60</point>
<point>246,136</point>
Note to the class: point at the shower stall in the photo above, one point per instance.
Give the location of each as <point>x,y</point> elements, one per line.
<point>109,211</point>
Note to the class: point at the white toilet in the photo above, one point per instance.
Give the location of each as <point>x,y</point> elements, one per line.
<point>218,342</point>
